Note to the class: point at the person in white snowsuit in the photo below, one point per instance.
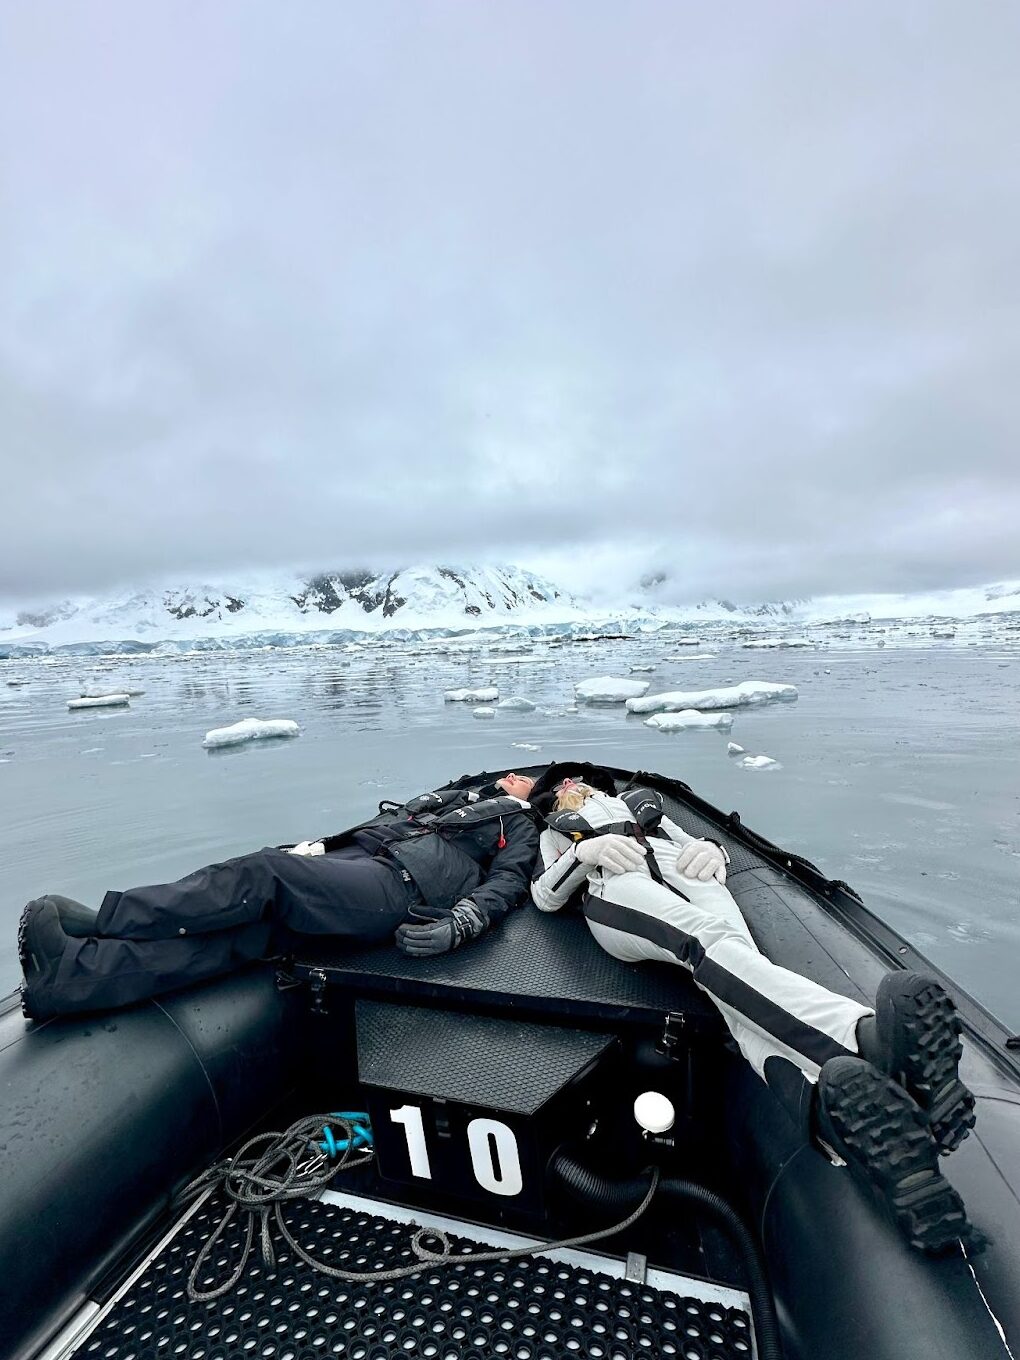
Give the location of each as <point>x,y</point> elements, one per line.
<point>880,1090</point>
<point>664,897</point>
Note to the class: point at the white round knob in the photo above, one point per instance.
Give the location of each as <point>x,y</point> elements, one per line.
<point>654,1112</point>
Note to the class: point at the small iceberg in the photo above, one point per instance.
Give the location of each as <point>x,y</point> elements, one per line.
<point>518,704</point>
<point>758,763</point>
<point>688,718</point>
<point>736,696</point>
<point>686,642</point>
<point>471,696</point>
<point>250,729</point>
<point>96,691</point>
<point>609,689</point>
<point>778,642</point>
<point>483,713</point>
<point>691,656</point>
<point>101,701</point>
<point>732,749</point>
<point>634,669</point>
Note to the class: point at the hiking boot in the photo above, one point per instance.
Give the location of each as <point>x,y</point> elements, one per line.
<point>41,945</point>
<point>869,1121</point>
<point>914,1037</point>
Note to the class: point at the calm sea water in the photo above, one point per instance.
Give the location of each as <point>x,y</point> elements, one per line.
<point>899,773</point>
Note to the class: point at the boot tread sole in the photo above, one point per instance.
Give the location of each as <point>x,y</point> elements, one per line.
<point>880,1131</point>
<point>926,1051</point>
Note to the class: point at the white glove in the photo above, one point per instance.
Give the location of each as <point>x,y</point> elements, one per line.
<point>614,853</point>
<point>308,848</point>
<point>702,860</point>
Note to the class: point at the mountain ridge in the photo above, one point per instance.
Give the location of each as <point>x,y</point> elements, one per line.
<point>451,598</point>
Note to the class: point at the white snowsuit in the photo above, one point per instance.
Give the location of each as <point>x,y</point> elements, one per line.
<point>770,1011</point>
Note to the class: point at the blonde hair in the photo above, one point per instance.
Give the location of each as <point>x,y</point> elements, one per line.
<point>573,799</point>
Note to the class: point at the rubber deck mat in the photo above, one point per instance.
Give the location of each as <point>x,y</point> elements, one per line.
<point>535,1308</point>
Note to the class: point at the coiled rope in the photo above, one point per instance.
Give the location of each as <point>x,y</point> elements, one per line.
<point>292,1165</point>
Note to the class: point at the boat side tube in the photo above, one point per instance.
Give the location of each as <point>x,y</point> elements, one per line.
<point>845,1283</point>
<point>103,1119</point>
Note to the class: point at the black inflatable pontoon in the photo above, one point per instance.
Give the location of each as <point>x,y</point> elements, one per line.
<point>497,1084</point>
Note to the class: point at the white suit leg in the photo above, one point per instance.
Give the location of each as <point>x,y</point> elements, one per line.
<point>770,1011</point>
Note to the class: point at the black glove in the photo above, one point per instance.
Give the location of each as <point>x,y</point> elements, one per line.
<point>428,933</point>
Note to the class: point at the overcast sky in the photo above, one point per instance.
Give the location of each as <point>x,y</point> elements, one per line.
<point>728,289</point>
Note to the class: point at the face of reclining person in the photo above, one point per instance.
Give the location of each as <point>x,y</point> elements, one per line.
<point>516,785</point>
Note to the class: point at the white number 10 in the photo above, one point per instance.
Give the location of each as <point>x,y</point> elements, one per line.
<point>495,1158</point>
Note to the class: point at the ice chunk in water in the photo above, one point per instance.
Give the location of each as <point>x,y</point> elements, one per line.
<point>483,713</point>
<point>250,729</point>
<point>758,763</point>
<point>471,696</point>
<point>517,703</point>
<point>609,689</point>
<point>688,718</point>
<point>736,696</point>
<point>101,701</point>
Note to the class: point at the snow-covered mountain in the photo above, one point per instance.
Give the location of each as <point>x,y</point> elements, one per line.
<point>361,601</point>
<point>347,604</point>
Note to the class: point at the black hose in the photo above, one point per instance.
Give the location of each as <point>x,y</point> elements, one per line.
<point>592,1189</point>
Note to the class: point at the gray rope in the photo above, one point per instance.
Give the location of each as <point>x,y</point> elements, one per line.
<point>257,1185</point>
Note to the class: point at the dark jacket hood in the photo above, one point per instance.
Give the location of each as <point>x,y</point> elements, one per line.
<point>542,798</point>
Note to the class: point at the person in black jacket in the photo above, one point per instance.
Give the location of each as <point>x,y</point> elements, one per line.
<point>449,866</point>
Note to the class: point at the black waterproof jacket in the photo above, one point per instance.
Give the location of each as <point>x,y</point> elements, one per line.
<point>455,845</point>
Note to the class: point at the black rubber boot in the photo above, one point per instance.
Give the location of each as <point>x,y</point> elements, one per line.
<point>915,1039</point>
<point>41,945</point>
<point>76,920</point>
<point>869,1121</point>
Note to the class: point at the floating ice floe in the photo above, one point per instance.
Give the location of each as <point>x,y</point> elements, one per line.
<point>471,696</point>
<point>250,729</point>
<point>609,689</point>
<point>634,669</point>
<point>686,642</point>
<point>101,701</point>
<point>518,704</point>
<point>530,659</point>
<point>526,746</point>
<point>732,749</point>
<point>98,692</point>
<point>691,656</point>
<point>778,642</point>
<point>758,763</point>
<point>483,713</point>
<point>736,696</point>
<point>688,718</point>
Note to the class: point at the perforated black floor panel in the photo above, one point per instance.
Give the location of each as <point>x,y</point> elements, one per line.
<point>473,1059</point>
<point>531,1309</point>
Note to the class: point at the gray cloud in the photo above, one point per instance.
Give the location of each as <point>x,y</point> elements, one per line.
<point>315,285</point>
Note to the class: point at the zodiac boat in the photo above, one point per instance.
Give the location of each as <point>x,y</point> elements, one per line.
<point>449,1128</point>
